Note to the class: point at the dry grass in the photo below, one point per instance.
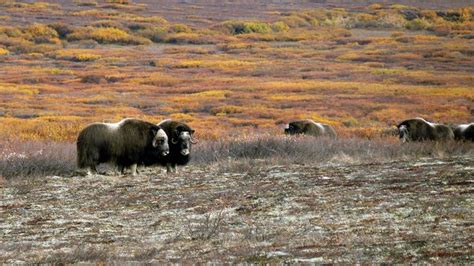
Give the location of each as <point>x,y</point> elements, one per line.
<point>246,154</point>
<point>37,159</point>
<point>308,150</point>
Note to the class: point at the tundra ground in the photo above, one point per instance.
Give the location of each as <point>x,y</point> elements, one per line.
<point>395,211</point>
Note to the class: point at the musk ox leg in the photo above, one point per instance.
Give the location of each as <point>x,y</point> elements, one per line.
<point>170,168</point>
<point>119,169</point>
<point>90,170</point>
<point>133,167</point>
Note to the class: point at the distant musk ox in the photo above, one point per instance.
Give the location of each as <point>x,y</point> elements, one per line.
<point>124,144</point>
<point>418,129</point>
<point>180,139</point>
<point>309,127</point>
<point>464,132</point>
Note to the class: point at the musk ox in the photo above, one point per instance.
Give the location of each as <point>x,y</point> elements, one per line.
<point>309,127</point>
<point>418,129</point>
<point>180,139</point>
<point>464,132</point>
<point>124,144</point>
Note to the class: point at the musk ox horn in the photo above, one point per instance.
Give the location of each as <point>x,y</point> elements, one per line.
<point>174,141</point>
<point>193,140</point>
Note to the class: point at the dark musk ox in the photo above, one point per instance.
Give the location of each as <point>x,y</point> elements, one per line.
<point>180,139</point>
<point>124,144</point>
<point>464,132</point>
<point>418,129</point>
<point>311,128</point>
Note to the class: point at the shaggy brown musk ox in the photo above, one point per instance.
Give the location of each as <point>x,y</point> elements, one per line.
<point>124,144</point>
<point>418,129</point>
<point>464,132</point>
<point>180,139</point>
<point>311,128</point>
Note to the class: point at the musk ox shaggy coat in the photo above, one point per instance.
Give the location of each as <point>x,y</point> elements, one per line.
<point>124,144</point>
<point>311,128</point>
<point>418,129</point>
<point>464,132</point>
<point>180,139</point>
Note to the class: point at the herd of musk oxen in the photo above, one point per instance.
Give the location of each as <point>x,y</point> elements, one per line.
<point>132,142</point>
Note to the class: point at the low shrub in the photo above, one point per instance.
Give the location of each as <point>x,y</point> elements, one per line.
<point>179,28</point>
<point>110,35</point>
<point>188,38</point>
<point>308,150</point>
<point>418,24</point>
<point>61,28</point>
<point>155,34</point>
<point>40,33</point>
<point>107,24</point>
<point>121,2</point>
<point>242,27</point>
<point>39,158</point>
<point>85,2</point>
<point>107,36</point>
<point>280,26</point>
<point>77,55</point>
<point>36,159</point>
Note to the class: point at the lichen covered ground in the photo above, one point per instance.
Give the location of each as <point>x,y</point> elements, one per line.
<point>382,212</point>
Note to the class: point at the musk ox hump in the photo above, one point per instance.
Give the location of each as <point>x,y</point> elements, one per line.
<point>116,126</point>
<point>319,125</point>
<point>421,119</point>
<point>464,132</point>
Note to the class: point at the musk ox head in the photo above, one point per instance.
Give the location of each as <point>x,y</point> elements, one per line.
<point>182,137</point>
<point>160,141</point>
<point>296,127</point>
<point>403,133</point>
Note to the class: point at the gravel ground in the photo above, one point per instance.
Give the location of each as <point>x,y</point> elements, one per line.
<point>396,212</point>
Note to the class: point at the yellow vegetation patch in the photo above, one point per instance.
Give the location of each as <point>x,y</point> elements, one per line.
<point>227,109</point>
<point>41,128</point>
<point>183,117</point>
<point>391,115</point>
<point>3,51</point>
<point>292,97</point>
<point>110,35</point>
<point>349,56</point>
<point>230,64</point>
<point>79,55</point>
<point>389,71</point>
<point>157,79</point>
<point>214,94</point>
<point>6,88</point>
